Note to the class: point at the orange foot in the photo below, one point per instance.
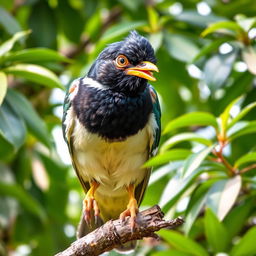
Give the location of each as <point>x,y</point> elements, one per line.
<point>90,205</point>
<point>132,207</point>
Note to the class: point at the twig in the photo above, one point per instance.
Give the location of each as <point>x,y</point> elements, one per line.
<point>115,232</point>
<point>248,168</point>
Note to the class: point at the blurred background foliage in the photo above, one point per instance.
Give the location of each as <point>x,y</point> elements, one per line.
<point>205,170</point>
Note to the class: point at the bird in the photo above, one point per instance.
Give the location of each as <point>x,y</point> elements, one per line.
<point>112,125</point>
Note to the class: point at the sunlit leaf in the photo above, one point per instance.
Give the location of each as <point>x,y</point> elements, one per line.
<point>167,156</point>
<point>247,158</point>
<point>222,196</point>
<point>249,57</point>
<point>171,253</point>
<point>153,18</point>
<point>241,114</point>
<point>184,137</point>
<point>192,119</point>
<point>215,230</point>
<point>7,45</point>
<point>35,55</point>
<point>36,74</point>
<point>244,22</point>
<point>224,117</point>
<point>182,243</point>
<point>34,123</point>
<point>246,245</point>
<point>224,27</point>
<point>3,86</point>
<point>195,160</point>
<point>242,128</point>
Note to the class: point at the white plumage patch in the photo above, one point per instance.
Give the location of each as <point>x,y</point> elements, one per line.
<point>114,164</point>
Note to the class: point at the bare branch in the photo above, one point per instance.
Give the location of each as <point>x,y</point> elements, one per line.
<point>114,233</point>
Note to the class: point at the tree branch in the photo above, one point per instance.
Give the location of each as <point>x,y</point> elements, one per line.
<point>116,232</point>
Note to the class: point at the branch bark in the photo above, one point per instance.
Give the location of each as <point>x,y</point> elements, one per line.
<point>116,232</point>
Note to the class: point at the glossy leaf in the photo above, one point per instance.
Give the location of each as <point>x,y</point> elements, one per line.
<point>222,196</point>
<point>182,243</point>
<point>249,57</point>
<point>242,113</point>
<point>192,119</point>
<point>9,23</point>
<point>247,158</point>
<point>242,128</point>
<point>224,117</point>
<point>171,253</point>
<point>180,47</point>
<point>3,86</point>
<point>34,123</point>
<point>216,233</point>
<point>223,26</point>
<point>26,200</point>
<point>195,160</point>
<point>12,127</point>
<point>36,74</point>
<point>184,137</point>
<point>8,45</point>
<point>246,245</point>
<point>35,55</point>
<point>167,156</point>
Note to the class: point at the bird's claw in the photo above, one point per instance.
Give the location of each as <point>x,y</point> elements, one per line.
<point>90,208</point>
<point>132,210</point>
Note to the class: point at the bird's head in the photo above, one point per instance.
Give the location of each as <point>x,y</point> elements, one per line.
<point>126,66</point>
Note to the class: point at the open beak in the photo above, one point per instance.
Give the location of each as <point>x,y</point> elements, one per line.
<point>143,70</point>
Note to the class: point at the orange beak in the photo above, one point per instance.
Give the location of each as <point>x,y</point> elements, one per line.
<point>143,70</point>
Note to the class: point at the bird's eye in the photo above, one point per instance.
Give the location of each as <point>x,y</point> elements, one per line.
<point>121,61</point>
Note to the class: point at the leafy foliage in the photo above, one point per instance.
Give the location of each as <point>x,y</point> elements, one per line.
<point>205,169</point>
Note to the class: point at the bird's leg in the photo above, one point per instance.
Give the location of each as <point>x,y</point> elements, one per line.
<point>132,207</point>
<point>90,203</point>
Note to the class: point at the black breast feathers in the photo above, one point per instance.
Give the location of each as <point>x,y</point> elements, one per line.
<point>112,115</point>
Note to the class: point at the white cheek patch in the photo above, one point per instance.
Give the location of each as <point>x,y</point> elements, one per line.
<point>94,84</point>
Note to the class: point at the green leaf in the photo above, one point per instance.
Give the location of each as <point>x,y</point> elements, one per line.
<point>225,115</point>
<point>190,119</point>
<point>26,200</point>
<point>241,114</point>
<point>242,128</point>
<point>12,127</point>
<point>247,158</point>
<point>217,69</point>
<point>120,29</point>
<point>36,74</point>
<point>249,57</point>
<point>216,233</point>
<point>153,18</point>
<point>209,48</point>
<point>9,23</point>
<point>184,137</point>
<point>8,45</point>
<point>223,26</point>
<point>35,124</point>
<point>244,22</point>
<point>239,215</point>
<point>247,245</point>
<point>182,243</point>
<point>35,55</point>
<point>3,86</point>
<point>181,47</point>
<point>195,160</point>
<point>167,156</point>
<point>222,196</point>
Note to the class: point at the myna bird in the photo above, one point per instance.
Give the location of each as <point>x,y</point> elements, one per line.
<point>111,124</point>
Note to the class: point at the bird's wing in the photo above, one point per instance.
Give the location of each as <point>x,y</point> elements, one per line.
<point>140,189</point>
<point>68,122</point>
